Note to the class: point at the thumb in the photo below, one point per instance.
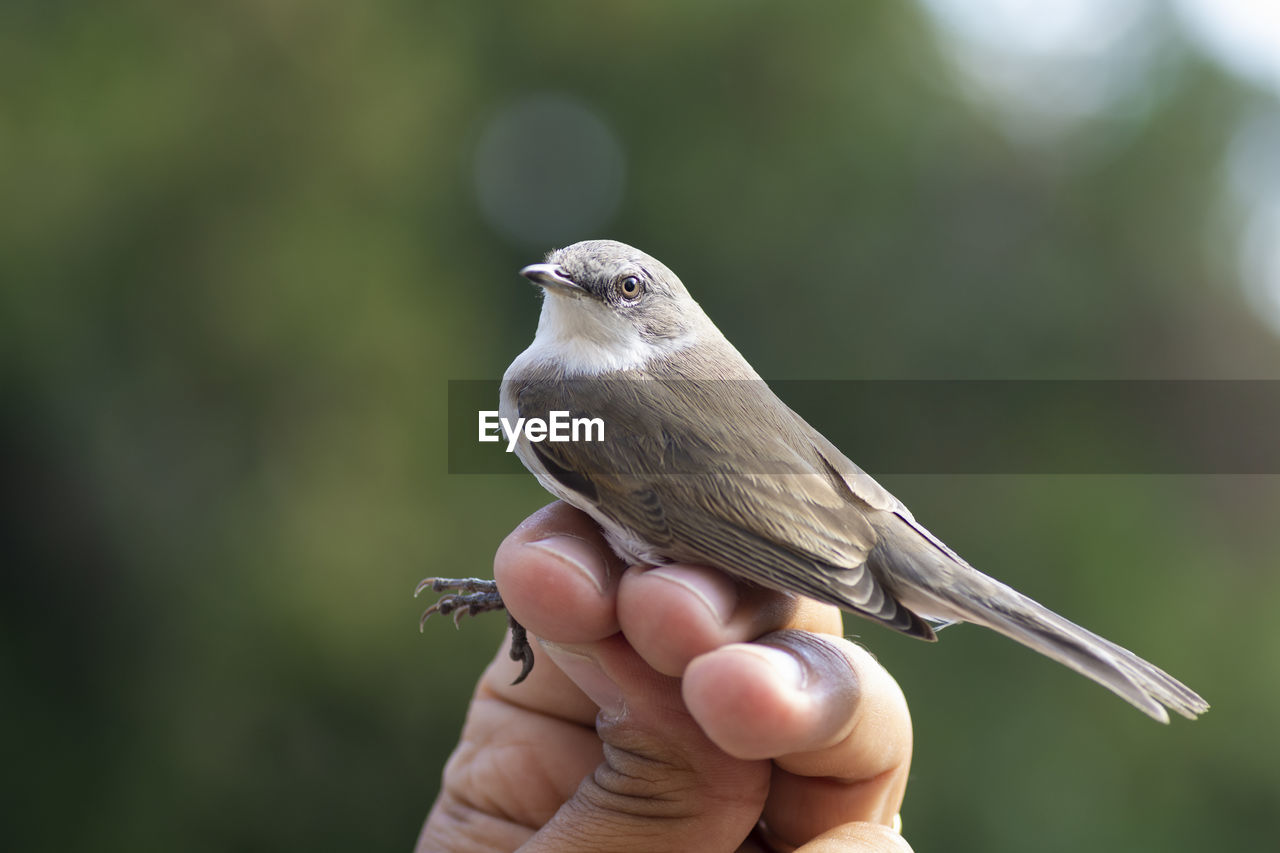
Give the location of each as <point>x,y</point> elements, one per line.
<point>662,782</point>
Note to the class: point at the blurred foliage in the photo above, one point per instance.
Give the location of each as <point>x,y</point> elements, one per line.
<point>242,256</point>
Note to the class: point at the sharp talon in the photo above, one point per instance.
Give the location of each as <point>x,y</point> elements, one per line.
<point>427,614</point>
<point>526,667</point>
<point>520,650</point>
<point>422,585</point>
<point>458,614</point>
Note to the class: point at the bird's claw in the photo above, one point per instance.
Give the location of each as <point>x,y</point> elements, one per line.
<point>471,597</point>
<point>521,650</point>
<point>467,597</point>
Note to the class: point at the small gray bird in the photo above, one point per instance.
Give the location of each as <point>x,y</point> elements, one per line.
<point>701,463</point>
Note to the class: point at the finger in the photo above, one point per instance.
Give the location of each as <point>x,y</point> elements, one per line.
<point>833,718</point>
<point>662,781</point>
<point>674,613</point>
<point>559,579</point>
<point>558,576</point>
<point>857,838</point>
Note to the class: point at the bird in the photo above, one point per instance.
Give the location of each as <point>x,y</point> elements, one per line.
<point>701,463</point>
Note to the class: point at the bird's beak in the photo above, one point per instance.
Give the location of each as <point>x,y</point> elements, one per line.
<point>552,277</point>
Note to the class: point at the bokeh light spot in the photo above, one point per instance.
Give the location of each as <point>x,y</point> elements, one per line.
<point>549,171</point>
<point>1243,35</point>
<point>1046,66</point>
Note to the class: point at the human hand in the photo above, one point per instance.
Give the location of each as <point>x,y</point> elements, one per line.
<point>670,709</point>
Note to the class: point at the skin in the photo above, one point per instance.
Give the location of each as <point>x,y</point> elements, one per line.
<point>670,705</point>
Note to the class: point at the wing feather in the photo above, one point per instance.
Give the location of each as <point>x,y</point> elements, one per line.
<point>739,488</point>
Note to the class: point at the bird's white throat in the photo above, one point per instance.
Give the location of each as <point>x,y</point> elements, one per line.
<point>585,337</point>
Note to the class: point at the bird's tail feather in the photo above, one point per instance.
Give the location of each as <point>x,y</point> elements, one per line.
<point>1141,683</point>
<point>952,589</point>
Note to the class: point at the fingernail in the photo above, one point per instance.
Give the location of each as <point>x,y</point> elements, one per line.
<point>579,555</point>
<point>713,589</point>
<point>585,672</point>
<point>790,671</point>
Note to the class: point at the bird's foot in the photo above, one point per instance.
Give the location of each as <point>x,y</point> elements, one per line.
<point>471,597</point>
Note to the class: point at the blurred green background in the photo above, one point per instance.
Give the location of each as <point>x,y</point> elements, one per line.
<point>245,245</point>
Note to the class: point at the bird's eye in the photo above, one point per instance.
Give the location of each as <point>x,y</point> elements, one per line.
<point>629,287</point>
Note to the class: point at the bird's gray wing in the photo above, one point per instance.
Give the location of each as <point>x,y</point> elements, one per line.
<point>708,472</point>
<point>866,490</point>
